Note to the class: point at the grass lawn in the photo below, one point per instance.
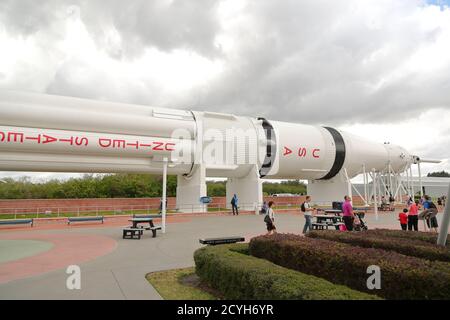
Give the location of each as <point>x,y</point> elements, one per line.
<point>180,284</point>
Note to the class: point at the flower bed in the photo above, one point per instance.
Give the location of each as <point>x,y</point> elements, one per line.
<point>409,247</point>
<point>402,277</point>
<point>412,235</point>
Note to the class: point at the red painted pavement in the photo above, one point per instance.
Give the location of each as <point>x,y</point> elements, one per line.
<point>68,249</point>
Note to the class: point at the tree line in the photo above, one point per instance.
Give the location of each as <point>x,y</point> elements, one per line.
<point>440,174</point>
<point>122,185</point>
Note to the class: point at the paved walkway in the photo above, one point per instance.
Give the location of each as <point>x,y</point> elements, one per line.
<point>113,268</point>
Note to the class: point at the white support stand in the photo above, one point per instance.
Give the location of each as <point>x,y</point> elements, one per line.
<point>190,190</point>
<point>375,202</point>
<point>248,190</point>
<point>326,191</point>
<point>445,223</point>
<point>420,179</point>
<point>164,196</point>
<point>366,195</point>
<point>349,184</point>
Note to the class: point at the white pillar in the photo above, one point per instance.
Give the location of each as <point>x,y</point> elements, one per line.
<point>190,190</point>
<point>164,195</point>
<point>408,182</point>
<point>412,182</point>
<point>327,191</point>
<point>442,237</point>
<point>349,184</point>
<point>248,190</point>
<point>420,179</point>
<point>365,184</point>
<point>391,192</point>
<point>380,182</point>
<point>375,202</point>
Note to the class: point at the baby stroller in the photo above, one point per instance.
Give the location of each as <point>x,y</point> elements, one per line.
<point>359,224</point>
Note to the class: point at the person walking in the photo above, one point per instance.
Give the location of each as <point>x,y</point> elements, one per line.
<point>234,204</point>
<point>307,212</point>
<point>161,205</point>
<point>347,213</point>
<point>264,208</point>
<point>391,202</point>
<point>413,216</point>
<point>410,201</point>
<point>429,214</point>
<point>384,203</point>
<point>439,203</point>
<point>269,219</point>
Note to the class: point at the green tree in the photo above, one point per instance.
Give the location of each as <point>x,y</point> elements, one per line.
<point>121,185</point>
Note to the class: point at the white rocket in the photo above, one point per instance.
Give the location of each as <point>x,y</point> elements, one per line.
<point>52,133</point>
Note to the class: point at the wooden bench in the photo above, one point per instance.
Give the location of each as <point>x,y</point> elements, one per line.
<point>17,221</point>
<point>132,233</point>
<point>223,240</point>
<point>145,216</point>
<point>320,226</point>
<point>80,219</point>
<point>153,230</point>
<point>325,226</point>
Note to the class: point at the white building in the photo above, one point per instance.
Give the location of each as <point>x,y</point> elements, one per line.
<point>432,186</point>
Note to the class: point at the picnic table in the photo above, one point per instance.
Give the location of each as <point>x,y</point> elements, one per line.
<point>135,231</point>
<point>137,221</point>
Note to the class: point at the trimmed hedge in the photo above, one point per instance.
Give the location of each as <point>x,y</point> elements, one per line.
<point>402,277</point>
<point>409,247</point>
<point>240,276</point>
<point>412,235</point>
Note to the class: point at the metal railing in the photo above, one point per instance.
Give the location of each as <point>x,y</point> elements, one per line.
<point>115,210</point>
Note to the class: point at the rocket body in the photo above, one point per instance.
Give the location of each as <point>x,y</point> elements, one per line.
<point>51,133</point>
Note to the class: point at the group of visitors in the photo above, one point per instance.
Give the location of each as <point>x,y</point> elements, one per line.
<point>409,217</point>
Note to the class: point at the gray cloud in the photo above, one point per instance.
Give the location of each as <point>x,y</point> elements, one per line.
<point>307,61</point>
<point>26,17</point>
<point>164,24</point>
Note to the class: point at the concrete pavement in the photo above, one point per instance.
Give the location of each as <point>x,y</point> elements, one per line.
<point>120,274</point>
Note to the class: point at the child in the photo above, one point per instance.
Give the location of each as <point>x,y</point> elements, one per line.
<point>403,217</point>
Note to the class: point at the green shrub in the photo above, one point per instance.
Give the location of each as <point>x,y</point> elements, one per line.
<point>240,276</point>
<point>402,277</point>
<point>409,247</point>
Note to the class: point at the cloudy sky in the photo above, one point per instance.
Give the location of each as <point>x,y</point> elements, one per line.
<point>377,68</point>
